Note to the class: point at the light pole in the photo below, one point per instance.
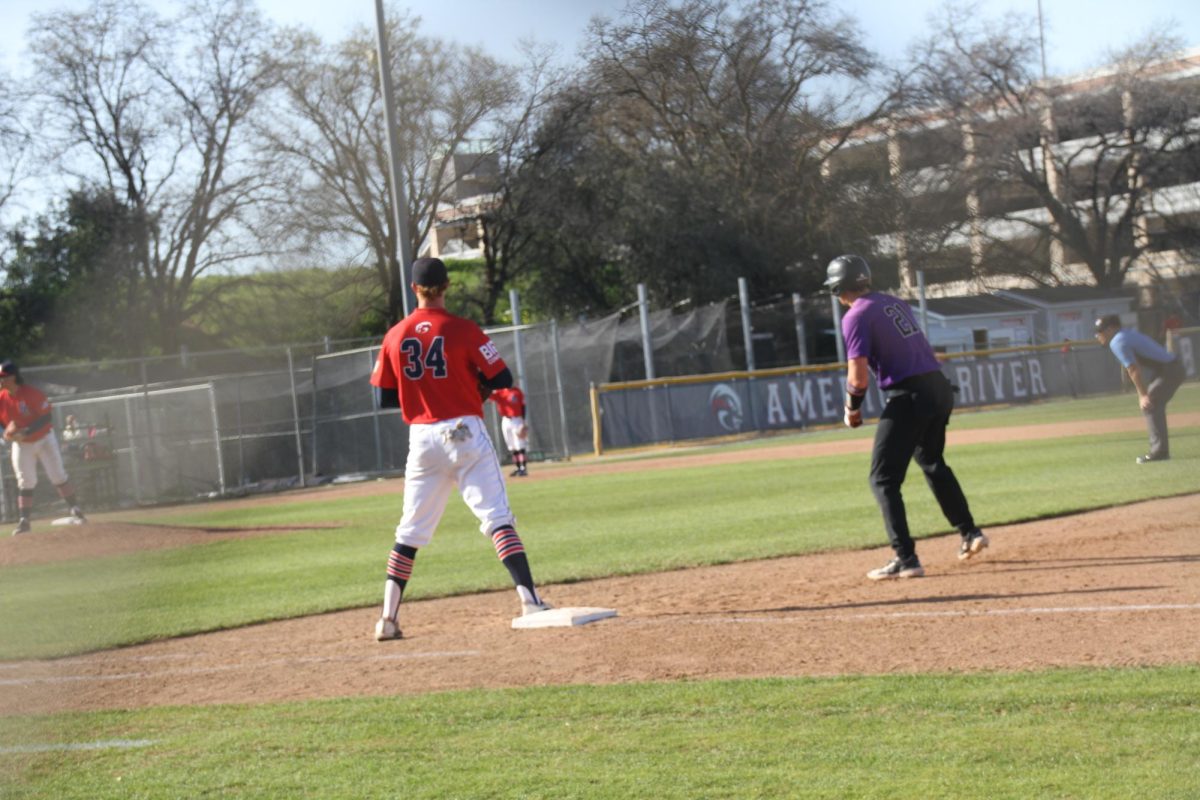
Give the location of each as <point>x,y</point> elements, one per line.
<point>399,201</point>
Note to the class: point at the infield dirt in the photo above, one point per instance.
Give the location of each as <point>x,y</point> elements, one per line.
<point>1114,587</point>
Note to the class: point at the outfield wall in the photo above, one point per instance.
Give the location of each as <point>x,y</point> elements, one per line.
<point>639,413</point>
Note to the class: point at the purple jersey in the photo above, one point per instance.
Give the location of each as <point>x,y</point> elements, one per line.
<point>881,329</point>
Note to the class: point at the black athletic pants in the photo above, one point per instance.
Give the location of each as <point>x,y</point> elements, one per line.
<point>913,428</point>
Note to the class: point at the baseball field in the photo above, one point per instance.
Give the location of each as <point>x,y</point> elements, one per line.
<point>224,649</point>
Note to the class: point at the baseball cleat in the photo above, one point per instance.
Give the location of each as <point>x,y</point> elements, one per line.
<point>898,568</point>
<point>534,608</point>
<point>22,527</point>
<point>386,630</point>
<point>1149,457</point>
<point>972,544</point>
<point>77,515</point>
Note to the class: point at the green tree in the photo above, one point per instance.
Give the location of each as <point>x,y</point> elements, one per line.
<point>158,112</point>
<point>294,306</point>
<point>71,287</point>
<point>690,151</point>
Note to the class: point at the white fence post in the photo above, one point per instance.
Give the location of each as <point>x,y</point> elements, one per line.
<point>558,383</point>
<point>216,429</point>
<point>801,339</point>
<point>296,418</point>
<point>647,344</point>
<point>747,333</point>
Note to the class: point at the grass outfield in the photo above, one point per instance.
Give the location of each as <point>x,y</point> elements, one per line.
<point>1063,734</point>
<point>1080,733</point>
<point>575,528</point>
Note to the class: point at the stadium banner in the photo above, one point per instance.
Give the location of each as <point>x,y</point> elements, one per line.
<point>640,413</point>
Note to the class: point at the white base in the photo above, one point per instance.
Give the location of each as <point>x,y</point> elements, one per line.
<point>66,521</point>
<point>563,617</point>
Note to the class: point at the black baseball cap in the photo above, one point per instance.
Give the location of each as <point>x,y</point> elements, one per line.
<point>8,368</point>
<point>429,272</point>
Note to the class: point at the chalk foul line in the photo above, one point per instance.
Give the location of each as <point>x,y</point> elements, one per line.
<point>801,618</point>
<point>241,666</point>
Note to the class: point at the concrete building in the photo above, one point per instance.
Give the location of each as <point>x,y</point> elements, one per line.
<point>457,231</point>
<point>1015,317</point>
<point>1069,312</point>
<point>1087,142</point>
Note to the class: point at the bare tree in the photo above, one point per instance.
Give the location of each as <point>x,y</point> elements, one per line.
<point>333,132</point>
<point>158,112</point>
<point>15,141</point>
<point>505,216</point>
<point>698,131</point>
<point>1038,175</point>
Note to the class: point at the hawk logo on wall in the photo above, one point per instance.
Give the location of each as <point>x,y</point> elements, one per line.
<point>726,407</point>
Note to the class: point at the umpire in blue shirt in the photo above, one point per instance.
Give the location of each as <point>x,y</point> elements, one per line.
<point>1155,372</point>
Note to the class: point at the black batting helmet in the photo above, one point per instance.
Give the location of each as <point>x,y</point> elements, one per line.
<point>847,272</point>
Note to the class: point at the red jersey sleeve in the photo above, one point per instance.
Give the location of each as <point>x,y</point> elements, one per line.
<point>26,406</point>
<point>384,374</point>
<point>484,355</point>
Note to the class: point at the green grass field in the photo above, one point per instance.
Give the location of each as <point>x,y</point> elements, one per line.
<point>1071,733</point>
<point>1063,734</point>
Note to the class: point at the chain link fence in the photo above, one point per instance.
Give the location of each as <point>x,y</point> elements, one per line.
<point>232,422</point>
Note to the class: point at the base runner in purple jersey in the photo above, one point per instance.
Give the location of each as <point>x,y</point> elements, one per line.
<point>883,338</point>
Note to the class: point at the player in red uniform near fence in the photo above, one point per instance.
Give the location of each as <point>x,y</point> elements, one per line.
<point>510,403</point>
<point>29,428</point>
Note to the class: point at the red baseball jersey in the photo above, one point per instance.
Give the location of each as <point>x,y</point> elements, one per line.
<point>509,402</point>
<point>435,358</point>
<point>25,404</point>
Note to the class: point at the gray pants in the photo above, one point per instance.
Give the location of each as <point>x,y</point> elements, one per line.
<point>1161,389</point>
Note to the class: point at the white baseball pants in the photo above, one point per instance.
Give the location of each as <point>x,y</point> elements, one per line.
<point>440,456</point>
<point>511,428</point>
<point>25,458</point>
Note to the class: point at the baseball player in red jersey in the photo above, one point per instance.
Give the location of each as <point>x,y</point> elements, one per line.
<point>510,403</point>
<point>437,368</point>
<point>28,426</point>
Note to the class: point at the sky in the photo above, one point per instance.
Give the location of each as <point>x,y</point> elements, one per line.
<point>1078,32</point>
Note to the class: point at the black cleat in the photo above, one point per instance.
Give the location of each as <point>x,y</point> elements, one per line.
<point>898,568</point>
<point>973,542</point>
